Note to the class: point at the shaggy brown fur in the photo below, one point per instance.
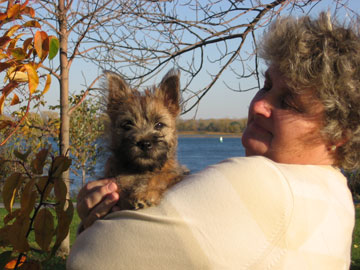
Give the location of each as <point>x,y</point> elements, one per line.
<point>143,140</point>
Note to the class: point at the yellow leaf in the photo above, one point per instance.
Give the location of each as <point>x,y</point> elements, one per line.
<point>15,100</point>
<point>18,76</point>
<point>12,30</point>
<point>32,77</point>
<point>11,186</point>
<point>47,84</point>
<point>44,228</point>
<point>2,101</point>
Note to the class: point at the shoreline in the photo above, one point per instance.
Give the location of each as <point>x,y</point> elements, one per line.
<point>185,134</point>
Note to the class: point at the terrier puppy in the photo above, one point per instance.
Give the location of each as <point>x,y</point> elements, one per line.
<point>143,140</point>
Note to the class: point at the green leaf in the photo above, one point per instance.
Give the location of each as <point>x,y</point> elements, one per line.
<point>54,47</point>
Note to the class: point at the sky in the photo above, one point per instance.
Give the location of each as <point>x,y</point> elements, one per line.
<point>218,103</point>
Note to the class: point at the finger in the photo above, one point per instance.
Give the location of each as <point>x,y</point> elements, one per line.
<point>93,198</point>
<point>101,209</point>
<point>91,186</point>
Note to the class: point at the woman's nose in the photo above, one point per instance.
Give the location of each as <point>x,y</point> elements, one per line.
<point>261,106</point>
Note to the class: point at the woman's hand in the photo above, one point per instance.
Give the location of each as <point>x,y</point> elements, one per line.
<point>95,200</point>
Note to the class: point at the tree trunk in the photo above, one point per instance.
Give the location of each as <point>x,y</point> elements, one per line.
<point>83,174</point>
<point>64,248</point>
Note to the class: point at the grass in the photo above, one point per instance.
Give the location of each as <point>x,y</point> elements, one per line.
<point>58,263</point>
<point>55,263</point>
<point>355,252</point>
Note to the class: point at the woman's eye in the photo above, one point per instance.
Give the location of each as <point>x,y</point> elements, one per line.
<point>127,125</point>
<point>289,104</point>
<point>159,125</point>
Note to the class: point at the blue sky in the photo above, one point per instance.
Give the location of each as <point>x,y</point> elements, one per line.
<point>218,103</point>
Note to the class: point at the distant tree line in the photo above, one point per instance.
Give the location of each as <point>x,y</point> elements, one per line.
<point>212,125</point>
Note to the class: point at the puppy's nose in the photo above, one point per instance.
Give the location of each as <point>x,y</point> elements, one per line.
<point>144,145</point>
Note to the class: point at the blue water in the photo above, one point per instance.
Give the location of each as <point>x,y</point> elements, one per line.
<point>195,153</point>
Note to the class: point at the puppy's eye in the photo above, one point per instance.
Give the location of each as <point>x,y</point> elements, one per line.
<point>159,126</point>
<point>127,125</point>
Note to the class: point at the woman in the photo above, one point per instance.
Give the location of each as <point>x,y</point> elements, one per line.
<point>284,206</point>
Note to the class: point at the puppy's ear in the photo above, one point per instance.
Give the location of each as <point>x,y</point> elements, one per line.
<point>116,86</point>
<point>170,89</point>
<point>117,90</point>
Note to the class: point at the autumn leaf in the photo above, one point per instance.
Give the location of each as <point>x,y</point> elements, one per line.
<point>6,123</point>
<point>17,234</point>
<point>4,41</point>
<point>11,264</point>
<point>3,16</point>
<point>38,163</point>
<point>64,221</point>
<point>28,198</point>
<point>60,165</point>
<point>11,216</point>
<point>32,76</point>
<point>27,43</point>
<point>30,11</point>
<point>12,30</point>
<point>18,76</point>
<point>6,91</point>
<point>13,11</point>
<point>45,186</point>
<point>15,100</point>
<point>32,24</point>
<point>39,38</point>
<point>18,53</point>
<point>11,186</point>
<point>22,156</point>
<point>4,258</point>
<point>47,84</point>
<point>44,228</point>
<point>60,191</point>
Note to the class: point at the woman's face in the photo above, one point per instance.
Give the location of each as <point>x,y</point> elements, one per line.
<point>285,126</point>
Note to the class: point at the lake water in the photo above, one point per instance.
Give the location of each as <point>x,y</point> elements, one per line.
<point>197,153</point>
<point>194,152</point>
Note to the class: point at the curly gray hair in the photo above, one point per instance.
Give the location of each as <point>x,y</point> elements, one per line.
<point>323,55</point>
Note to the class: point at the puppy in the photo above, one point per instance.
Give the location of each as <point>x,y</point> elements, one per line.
<point>143,139</point>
